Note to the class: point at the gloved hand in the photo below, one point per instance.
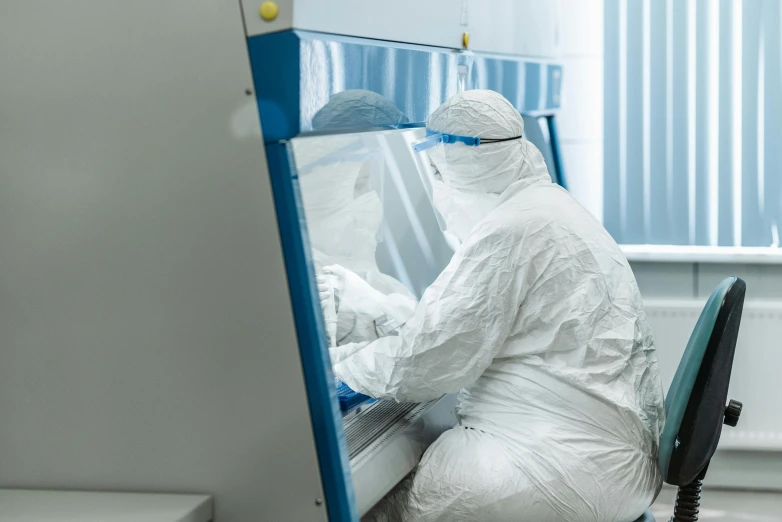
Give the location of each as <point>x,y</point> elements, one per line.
<point>329,302</point>
<point>358,305</point>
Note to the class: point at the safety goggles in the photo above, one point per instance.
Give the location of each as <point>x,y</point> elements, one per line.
<point>434,138</point>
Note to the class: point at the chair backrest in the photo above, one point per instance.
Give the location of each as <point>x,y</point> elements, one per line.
<point>695,405</point>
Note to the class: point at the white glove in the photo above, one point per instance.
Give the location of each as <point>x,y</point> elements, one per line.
<point>357,304</point>
<point>329,302</point>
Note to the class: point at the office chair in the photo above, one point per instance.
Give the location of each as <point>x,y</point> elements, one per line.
<point>695,404</point>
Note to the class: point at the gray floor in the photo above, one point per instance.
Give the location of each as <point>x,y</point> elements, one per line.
<point>726,506</point>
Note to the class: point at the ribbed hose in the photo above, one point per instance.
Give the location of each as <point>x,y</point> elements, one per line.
<point>688,502</point>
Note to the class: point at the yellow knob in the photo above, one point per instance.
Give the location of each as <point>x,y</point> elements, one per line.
<point>269,11</point>
<point>466,40</point>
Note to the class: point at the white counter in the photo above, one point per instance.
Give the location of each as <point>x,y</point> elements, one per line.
<point>81,506</point>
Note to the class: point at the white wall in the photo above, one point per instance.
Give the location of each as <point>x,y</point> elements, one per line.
<point>750,455</point>
<point>581,118</point>
<point>520,27</point>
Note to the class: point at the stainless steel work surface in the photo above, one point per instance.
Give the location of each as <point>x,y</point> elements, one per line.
<point>18,505</point>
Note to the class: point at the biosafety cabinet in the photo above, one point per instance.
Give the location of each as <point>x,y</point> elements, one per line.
<point>172,176</point>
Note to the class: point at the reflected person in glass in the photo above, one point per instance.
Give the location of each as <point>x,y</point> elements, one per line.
<point>344,215</point>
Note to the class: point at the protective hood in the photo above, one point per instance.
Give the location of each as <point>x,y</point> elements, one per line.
<point>488,168</point>
<point>473,179</point>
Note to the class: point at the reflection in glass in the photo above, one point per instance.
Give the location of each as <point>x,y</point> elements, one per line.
<point>368,204</point>
<point>367,208</point>
<point>357,109</point>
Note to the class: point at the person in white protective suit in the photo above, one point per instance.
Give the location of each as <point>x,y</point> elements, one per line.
<point>344,213</point>
<point>538,322</point>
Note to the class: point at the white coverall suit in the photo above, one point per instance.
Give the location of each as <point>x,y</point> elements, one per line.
<point>538,323</point>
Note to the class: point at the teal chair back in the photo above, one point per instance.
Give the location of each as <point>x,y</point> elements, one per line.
<point>695,404</point>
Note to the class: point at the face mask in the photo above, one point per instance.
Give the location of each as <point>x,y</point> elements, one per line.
<point>487,168</point>
<point>461,209</point>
